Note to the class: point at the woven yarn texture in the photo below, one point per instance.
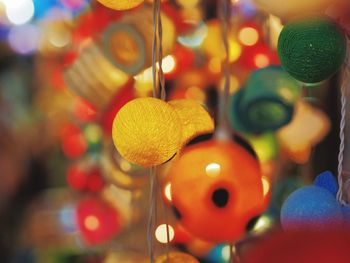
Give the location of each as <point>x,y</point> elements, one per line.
<point>312,50</point>
<point>120,4</point>
<point>147,132</point>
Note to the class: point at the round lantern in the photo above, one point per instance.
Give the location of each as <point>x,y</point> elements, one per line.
<point>176,257</point>
<point>93,77</point>
<point>311,207</point>
<point>146,132</point>
<point>294,8</point>
<point>128,43</point>
<point>120,4</point>
<point>267,101</point>
<point>194,118</point>
<point>312,50</point>
<point>216,189</point>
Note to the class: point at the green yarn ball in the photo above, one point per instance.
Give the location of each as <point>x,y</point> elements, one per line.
<point>312,50</point>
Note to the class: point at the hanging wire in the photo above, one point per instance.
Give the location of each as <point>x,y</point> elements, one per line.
<point>152,213</point>
<point>222,131</point>
<point>158,80</point>
<point>343,91</point>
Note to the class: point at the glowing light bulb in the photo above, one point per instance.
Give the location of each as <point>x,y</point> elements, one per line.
<point>161,233</point>
<point>20,13</point>
<point>248,36</point>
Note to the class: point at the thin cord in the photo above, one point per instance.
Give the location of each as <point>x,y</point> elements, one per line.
<point>222,130</point>
<point>158,78</point>
<point>343,90</point>
<point>152,212</point>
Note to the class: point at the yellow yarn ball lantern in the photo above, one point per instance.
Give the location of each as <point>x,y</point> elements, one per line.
<point>176,257</point>
<point>147,132</point>
<point>195,119</point>
<point>120,4</point>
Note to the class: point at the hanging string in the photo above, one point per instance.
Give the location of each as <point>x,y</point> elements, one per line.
<point>343,91</point>
<point>223,131</point>
<point>152,213</point>
<point>158,80</point>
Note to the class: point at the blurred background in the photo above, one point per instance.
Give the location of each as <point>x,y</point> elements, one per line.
<point>67,67</point>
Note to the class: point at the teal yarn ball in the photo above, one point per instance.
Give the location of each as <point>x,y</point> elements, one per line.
<point>312,50</point>
<point>266,103</point>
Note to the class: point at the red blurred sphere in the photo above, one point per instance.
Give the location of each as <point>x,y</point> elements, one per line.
<point>77,177</point>
<point>95,182</point>
<point>98,222</point>
<point>73,141</point>
<point>258,56</point>
<point>84,110</point>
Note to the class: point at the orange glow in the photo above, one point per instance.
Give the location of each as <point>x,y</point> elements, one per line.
<point>248,36</point>
<point>215,65</point>
<point>91,223</point>
<point>261,60</point>
<point>308,127</point>
<point>210,169</point>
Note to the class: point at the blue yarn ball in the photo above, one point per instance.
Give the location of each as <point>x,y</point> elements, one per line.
<point>311,207</point>
<point>327,181</point>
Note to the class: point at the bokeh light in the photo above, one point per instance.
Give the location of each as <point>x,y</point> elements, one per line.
<point>24,39</point>
<point>161,233</point>
<point>19,13</point>
<point>248,36</point>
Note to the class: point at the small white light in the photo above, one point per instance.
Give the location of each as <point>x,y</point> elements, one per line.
<point>167,192</point>
<point>21,13</point>
<point>161,233</point>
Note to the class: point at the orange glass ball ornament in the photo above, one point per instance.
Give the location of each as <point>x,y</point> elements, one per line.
<point>216,189</point>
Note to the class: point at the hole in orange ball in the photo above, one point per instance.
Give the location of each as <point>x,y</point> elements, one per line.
<point>220,197</point>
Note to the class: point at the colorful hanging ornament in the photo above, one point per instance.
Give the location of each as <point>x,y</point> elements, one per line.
<point>194,118</point>
<point>128,43</point>
<point>176,257</point>
<point>93,77</point>
<point>312,50</point>
<point>290,9</point>
<point>308,127</point>
<point>313,207</point>
<point>121,4</point>
<point>224,182</point>
<point>146,132</point>
<point>266,103</point>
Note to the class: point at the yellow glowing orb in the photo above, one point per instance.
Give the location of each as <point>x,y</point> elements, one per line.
<point>195,120</point>
<point>120,4</point>
<point>147,132</point>
<point>176,257</point>
<point>248,36</point>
